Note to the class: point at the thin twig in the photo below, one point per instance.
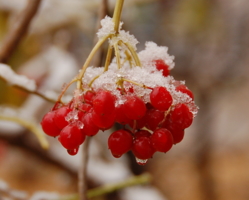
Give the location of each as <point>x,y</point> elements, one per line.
<point>103,11</point>
<point>18,30</point>
<point>82,182</point>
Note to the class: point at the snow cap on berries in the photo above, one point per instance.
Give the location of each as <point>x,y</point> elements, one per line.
<point>153,52</point>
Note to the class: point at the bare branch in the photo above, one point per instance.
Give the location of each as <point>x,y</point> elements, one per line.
<point>18,30</point>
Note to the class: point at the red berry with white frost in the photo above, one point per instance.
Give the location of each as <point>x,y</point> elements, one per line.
<point>160,98</point>
<point>162,66</point>
<point>134,107</point>
<point>103,102</point>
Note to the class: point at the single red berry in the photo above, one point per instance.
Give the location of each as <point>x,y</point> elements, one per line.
<point>177,133</point>
<point>134,107</point>
<point>73,152</point>
<point>162,66</point>
<point>48,125</point>
<point>60,115</point>
<point>88,96</point>
<point>160,98</point>
<point>181,116</point>
<point>120,116</point>
<point>120,142</point>
<point>89,128</point>
<point>185,90</point>
<point>71,136</point>
<point>141,133</point>
<point>153,118</point>
<point>104,122</point>
<point>142,147</point>
<point>103,102</point>
<point>162,140</point>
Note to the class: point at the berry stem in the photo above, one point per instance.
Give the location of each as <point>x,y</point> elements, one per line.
<point>135,83</point>
<point>82,184</point>
<point>108,57</point>
<point>133,53</point>
<point>88,60</point>
<point>65,89</point>
<point>117,14</point>
<point>117,55</point>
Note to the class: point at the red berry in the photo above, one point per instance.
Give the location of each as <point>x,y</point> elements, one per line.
<point>89,127</point>
<point>181,116</point>
<point>104,121</point>
<point>142,147</point>
<point>177,133</point>
<point>160,98</point>
<point>120,116</point>
<point>73,152</point>
<point>60,115</point>
<point>120,142</point>
<point>162,66</point>
<point>88,96</point>
<point>71,136</point>
<point>153,118</point>
<point>49,126</point>
<point>162,140</point>
<point>134,107</point>
<point>185,90</point>
<point>103,102</point>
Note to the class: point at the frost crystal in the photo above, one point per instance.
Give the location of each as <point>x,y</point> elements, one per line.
<point>107,27</point>
<point>14,79</point>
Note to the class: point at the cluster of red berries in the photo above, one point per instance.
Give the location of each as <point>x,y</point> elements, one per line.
<point>148,127</point>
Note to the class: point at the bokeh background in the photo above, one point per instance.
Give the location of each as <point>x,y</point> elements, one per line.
<point>210,42</point>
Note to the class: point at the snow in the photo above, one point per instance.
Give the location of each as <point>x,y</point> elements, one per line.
<point>154,52</point>
<point>14,79</point>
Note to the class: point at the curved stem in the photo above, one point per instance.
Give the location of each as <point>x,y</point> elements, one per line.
<point>108,57</point>
<point>134,54</point>
<point>65,89</point>
<point>89,58</point>
<point>117,55</point>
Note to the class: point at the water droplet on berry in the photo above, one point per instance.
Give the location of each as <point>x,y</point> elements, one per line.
<point>141,161</point>
<point>80,125</point>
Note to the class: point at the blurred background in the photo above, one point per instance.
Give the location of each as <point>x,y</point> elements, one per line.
<point>210,42</point>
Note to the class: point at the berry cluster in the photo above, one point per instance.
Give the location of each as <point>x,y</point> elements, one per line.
<point>134,90</point>
<point>148,126</point>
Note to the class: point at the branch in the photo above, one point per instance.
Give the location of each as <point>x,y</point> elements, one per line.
<point>82,174</point>
<point>18,30</point>
<point>109,188</point>
<point>29,125</point>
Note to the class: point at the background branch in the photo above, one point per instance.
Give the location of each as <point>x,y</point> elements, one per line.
<point>18,30</point>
